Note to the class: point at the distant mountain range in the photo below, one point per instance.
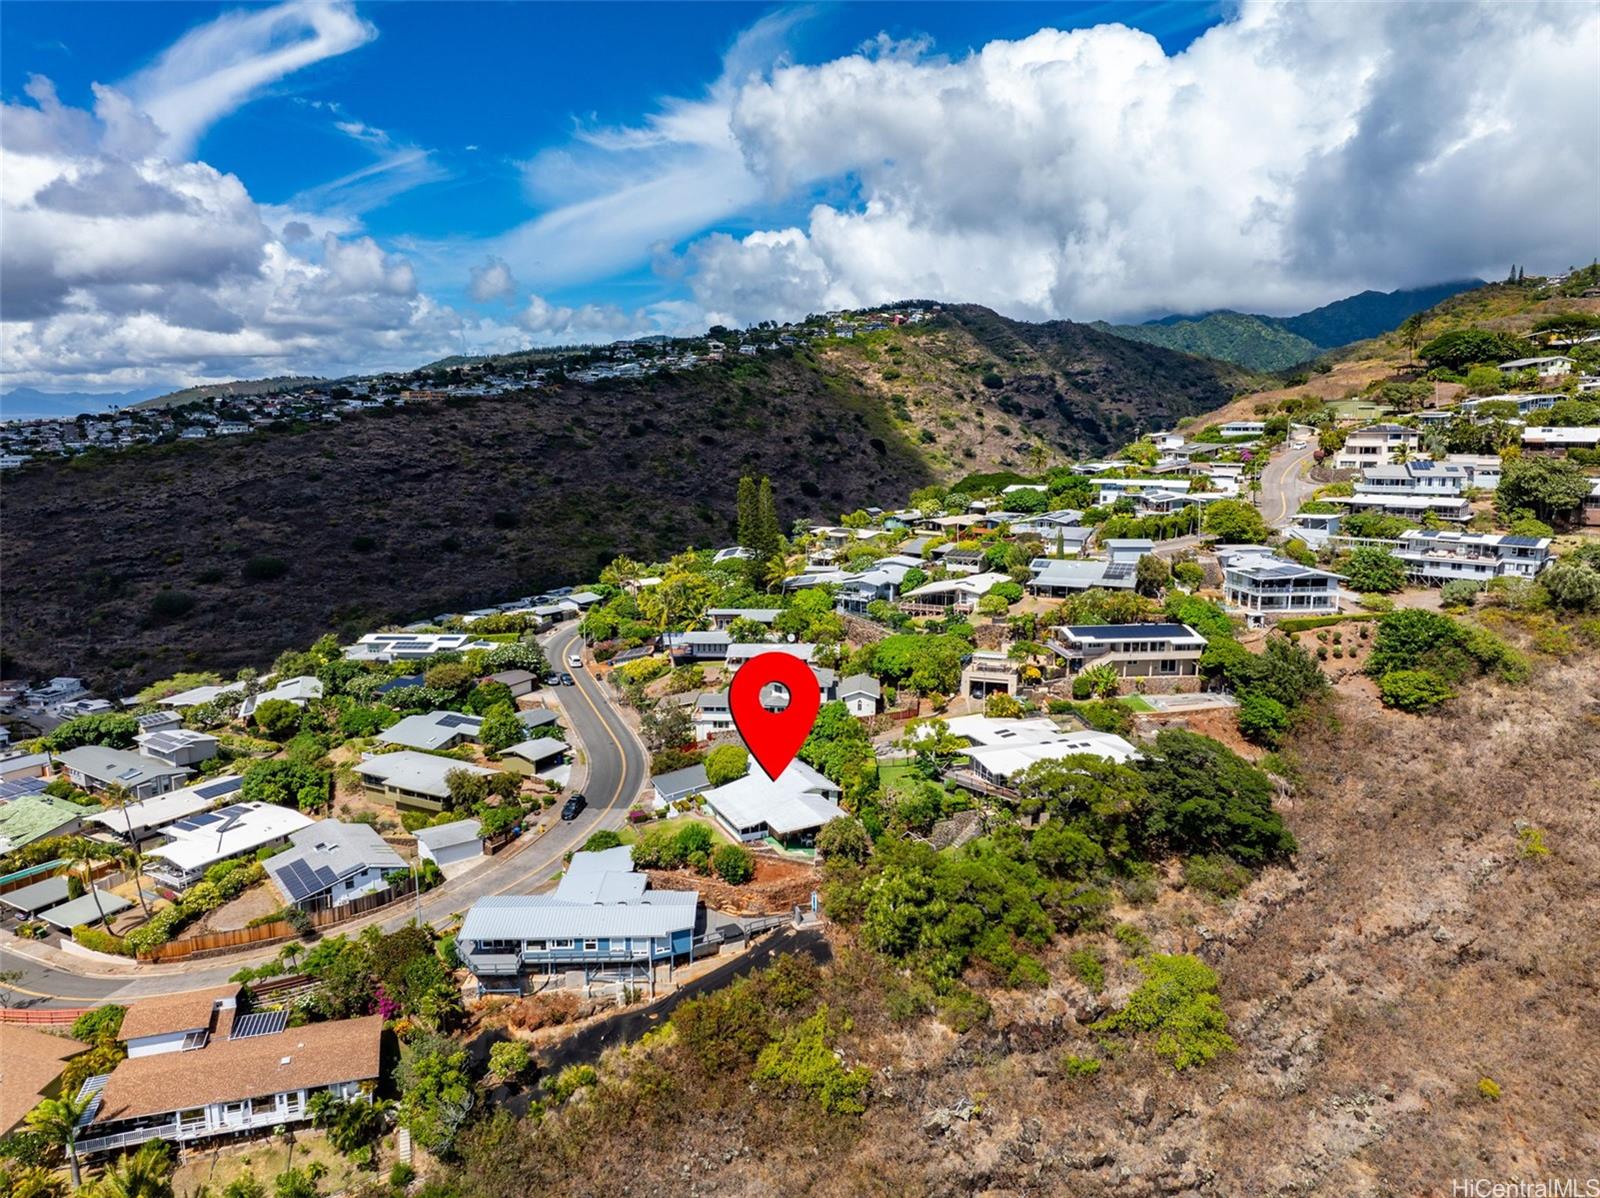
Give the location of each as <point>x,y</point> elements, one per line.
<point>1280,342</point>
<point>28,403</point>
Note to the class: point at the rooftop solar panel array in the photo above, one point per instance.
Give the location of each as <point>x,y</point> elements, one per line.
<point>215,790</point>
<point>259,1023</point>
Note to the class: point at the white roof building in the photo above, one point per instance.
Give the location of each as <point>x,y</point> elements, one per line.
<point>790,808</point>
<point>197,842</point>
<point>150,815</point>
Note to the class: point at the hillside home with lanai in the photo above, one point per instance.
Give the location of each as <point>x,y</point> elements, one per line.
<point>96,768</point>
<point>1132,650</point>
<point>603,922</point>
<point>1263,585</point>
<point>1377,445</point>
<point>950,594</point>
<point>1243,428</point>
<point>201,1068</point>
<point>138,822</point>
<point>195,843</point>
<point>1411,505</point>
<point>1553,367</point>
<point>1437,557</point>
<point>986,672</point>
<point>1000,748</point>
<point>1420,477</point>
<point>1057,578</point>
<point>1559,441</point>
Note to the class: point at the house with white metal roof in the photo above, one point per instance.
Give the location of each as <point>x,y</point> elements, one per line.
<point>603,920</point>
<point>411,646</point>
<point>136,822</point>
<point>790,809</point>
<point>1057,577</point>
<point>197,695</point>
<point>197,842</point>
<point>298,691</point>
<point>951,594</point>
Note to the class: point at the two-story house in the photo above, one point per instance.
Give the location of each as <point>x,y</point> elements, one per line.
<point>1132,650</point>
<point>1377,445</point>
<point>603,920</point>
<point>1264,585</point>
<point>1437,557</point>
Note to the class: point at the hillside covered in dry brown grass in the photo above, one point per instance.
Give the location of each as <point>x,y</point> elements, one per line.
<point>1414,1001</point>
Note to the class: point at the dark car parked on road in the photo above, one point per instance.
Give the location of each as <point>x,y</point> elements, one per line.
<point>573,806</point>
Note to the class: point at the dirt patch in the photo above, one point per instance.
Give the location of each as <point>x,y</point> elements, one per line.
<point>778,887</point>
<point>261,899</point>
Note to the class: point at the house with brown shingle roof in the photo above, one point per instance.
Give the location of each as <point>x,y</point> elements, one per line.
<point>31,1063</point>
<point>179,1022</point>
<point>259,1075</point>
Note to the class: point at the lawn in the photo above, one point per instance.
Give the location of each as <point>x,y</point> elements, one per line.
<point>1135,703</point>
<point>899,778</point>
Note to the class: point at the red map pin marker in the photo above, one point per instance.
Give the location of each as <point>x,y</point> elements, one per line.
<point>774,737</point>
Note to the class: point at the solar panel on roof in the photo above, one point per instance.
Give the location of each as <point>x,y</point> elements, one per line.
<point>1119,570</point>
<point>212,790</point>
<point>259,1023</point>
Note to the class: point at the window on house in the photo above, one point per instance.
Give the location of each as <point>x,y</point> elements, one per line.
<point>590,946</point>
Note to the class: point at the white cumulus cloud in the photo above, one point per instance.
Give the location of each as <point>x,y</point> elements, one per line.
<point>1288,156</point>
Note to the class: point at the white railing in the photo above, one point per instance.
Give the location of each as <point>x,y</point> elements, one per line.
<point>192,1129</point>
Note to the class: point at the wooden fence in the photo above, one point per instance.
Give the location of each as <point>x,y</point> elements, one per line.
<point>49,1017</point>
<point>277,930</point>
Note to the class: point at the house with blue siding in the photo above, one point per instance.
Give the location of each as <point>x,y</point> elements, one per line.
<point>603,921</point>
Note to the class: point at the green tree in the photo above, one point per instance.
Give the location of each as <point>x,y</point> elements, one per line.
<point>112,730</point>
<point>146,1173</point>
<point>1415,691</point>
<point>285,783</point>
<point>1207,798</point>
<point>436,1093</point>
<point>1460,349</point>
<point>1235,522</point>
<point>278,718</point>
<point>509,1060</point>
<point>523,655</point>
<point>726,763</point>
<point>501,729</point>
<point>1262,719</point>
<point>733,864</point>
<point>1151,575</point>
<point>1551,488</point>
<point>467,789</point>
<point>667,726</point>
<point>844,839</point>
<point>1572,585</point>
<point>1375,570</point>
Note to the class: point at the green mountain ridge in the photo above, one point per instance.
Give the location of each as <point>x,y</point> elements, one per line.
<point>1274,343</point>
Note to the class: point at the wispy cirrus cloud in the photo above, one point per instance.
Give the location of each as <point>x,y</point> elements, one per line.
<point>213,69</point>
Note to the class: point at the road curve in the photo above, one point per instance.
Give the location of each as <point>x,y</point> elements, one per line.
<point>618,767</point>
<point>1283,486</point>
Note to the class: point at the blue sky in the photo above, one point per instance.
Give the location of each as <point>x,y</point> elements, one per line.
<point>483,88</point>
<point>198,191</point>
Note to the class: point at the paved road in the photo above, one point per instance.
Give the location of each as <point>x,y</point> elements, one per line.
<point>1283,485</point>
<point>617,769</point>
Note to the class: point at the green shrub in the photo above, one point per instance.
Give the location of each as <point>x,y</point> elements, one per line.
<point>1415,691</point>
<point>1086,967</point>
<point>1215,874</point>
<point>803,1060</point>
<point>733,864</point>
<point>1132,939</point>
<point>602,840</point>
<point>1079,1067</point>
<point>1262,719</point>
<point>1177,1007</point>
<point>100,941</point>
<point>264,569</point>
<point>99,1025</point>
<point>1459,592</point>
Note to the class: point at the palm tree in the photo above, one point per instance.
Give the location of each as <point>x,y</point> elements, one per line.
<point>83,864</point>
<point>145,1174</point>
<point>56,1119</point>
<point>777,571</point>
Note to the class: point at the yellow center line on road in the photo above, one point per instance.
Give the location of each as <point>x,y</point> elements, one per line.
<point>622,785</point>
